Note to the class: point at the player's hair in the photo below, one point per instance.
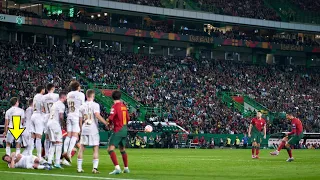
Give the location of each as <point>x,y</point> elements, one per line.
<point>50,86</point>
<point>4,156</point>
<point>30,101</point>
<point>62,93</point>
<point>90,92</point>
<point>39,89</point>
<point>13,101</point>
<point>116,95</point>
<point>74,85</point>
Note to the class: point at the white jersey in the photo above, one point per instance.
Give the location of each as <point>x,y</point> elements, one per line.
<point>14,111</point>
<point>57,108</point>
<point>87,111</point>
<point>26,162</point>
<point>28,114</point>
<point>75,99</point>
<point>48,101</point>
<point>38,103</point>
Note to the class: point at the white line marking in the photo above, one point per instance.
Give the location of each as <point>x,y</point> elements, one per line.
<point>63,175</point>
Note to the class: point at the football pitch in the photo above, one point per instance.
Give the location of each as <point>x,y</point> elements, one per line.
<point>184,164</point>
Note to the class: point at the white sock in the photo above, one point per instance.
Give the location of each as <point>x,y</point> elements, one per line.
<point>126,168</point>
<point>31,146</point>
<point>18,151</point>
<point>95,163</point>
<point>38,147</point>
<point>40,167</point>
<point>8,150</point>
<point>117,167</point>
<point>51,154</point>
<point>47,144</point>
<point>58,152</point>
<point>79,164</point>
<point>66,144</point>
<point>72,143</point>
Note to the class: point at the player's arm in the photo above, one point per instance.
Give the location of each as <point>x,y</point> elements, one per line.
<point>13,160</point>
<point>6,124</point>
<point>249,131</point>
<point>293,131</point>
<point>23,116</point>
<point>265,131</point>
<point>112,115</point>
<point>98,115</point>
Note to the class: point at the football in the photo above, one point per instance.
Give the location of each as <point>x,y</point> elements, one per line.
<point>148,128</point>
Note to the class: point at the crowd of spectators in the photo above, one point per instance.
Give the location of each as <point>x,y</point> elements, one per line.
<point>185,89</point>
<point>308,5</point>
<point>248,8</point>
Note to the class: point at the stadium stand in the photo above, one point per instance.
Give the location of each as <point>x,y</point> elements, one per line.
<point>186,89</point>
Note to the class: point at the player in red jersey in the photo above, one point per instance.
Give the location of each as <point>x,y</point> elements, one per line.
<point>258,124</point>
<point>119,117</point>
<point>296,135</point>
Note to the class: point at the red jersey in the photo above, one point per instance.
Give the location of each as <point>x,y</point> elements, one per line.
<point>258,123</point>
<point>119,116</point>
<point>297,128</point>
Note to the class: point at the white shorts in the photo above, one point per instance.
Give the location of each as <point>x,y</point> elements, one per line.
<point>54,131</point>
<point>37,123</point>
<point>10,139</point>
<point>90,140</point>
<point>73,125</point>
<point>46,118</point>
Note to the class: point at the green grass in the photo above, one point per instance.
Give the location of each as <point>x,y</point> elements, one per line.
<point>167,164</point>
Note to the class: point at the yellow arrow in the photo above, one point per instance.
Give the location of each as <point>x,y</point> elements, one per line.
<point>16,131</point>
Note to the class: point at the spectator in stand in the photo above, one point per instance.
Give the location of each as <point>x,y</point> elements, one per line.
<point>245,140</point>
<point>249,8</point>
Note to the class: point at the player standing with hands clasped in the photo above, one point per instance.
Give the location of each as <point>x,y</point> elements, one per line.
<point>89,115</point>
<point>119,117</point>
<point>296,135</point>
<point>255,133</point>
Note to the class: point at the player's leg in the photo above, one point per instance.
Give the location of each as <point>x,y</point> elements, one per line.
<point>67,141</point>
<point>47,144</point>
<point>80,155</point>
<point>51,136</point>
<point>292,141</point>
<point>18,146</point>
<point>281,145</point>
<point>257,150</point>
<point>9,140</point>
<point>124,156</point>
<point>253,148</point>
<point>75,130</point>
<point>95,160</point>
<point>114,140</point>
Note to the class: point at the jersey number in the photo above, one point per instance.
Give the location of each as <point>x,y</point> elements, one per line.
<point>124,117</point>
<point>71,106</point>
<point>49,105</point>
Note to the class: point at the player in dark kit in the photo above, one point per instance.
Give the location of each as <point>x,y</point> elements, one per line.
<point>296,135</point>
<point>258,124</point>
<point>119,117</point>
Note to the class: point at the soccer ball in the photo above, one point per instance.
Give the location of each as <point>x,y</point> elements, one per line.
<point>148,128</point>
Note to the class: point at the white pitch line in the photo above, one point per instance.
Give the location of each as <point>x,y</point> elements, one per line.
<point>64,175</point>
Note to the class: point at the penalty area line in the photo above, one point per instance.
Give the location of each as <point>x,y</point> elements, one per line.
<point>63,175</point>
